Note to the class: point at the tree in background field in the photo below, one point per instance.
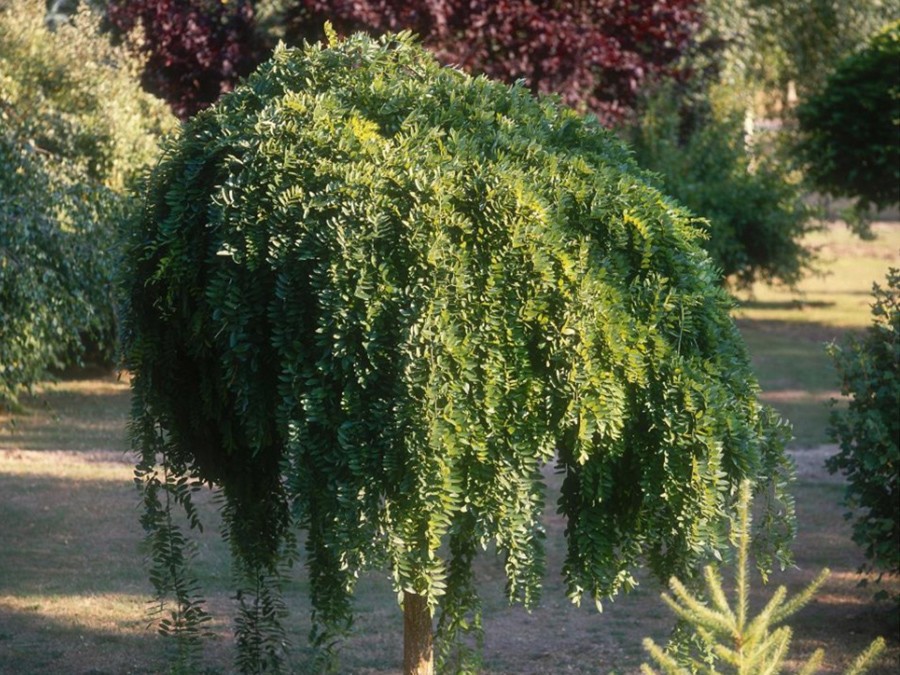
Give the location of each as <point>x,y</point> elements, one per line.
<point>195,49</point>
<point>372,297</point>
<point>850,130</point>
<point>75,131</point>
<point>755,212</point>
<point>698,134</point>
<point>785,41</point>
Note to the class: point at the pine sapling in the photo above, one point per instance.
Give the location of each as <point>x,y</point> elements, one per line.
<point>739,644</point>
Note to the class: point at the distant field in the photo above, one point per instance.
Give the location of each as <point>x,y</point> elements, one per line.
<point>787,329</point>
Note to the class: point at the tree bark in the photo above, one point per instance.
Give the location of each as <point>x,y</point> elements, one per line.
<point>418,649</point>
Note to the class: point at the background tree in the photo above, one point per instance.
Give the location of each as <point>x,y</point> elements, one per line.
<point>386,294</point>
<point>75,130</point>
<point>694,137</point>
<point>784,44</point>
<point>869,430</point>
<point>595,55</point>
<point>195,49</point>
<point>700,135</point>
<point>849,130</point>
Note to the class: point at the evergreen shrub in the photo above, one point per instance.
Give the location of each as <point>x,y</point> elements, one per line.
<point>868,431</point>
<point>728,640</point>
<point>373,297</point>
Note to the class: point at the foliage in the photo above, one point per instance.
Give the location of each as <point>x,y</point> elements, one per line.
<point>755,210</point>
<point>373,297</point>
<point>595,55</point>
<point>746,646</point>
<point>850,141</point>
<point>170,573</point>
<point>75,129</point>
<point>785,41</point>
<point>54,281</point>
<point>196,49</point>
<point>74,96</point>
<point>869,430</point>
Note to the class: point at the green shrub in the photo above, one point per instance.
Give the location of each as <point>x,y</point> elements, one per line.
<point>75,130</point>
<point>869,430</point>
<point>754,208</point>
<point>850,141</point>
<point>385,294</point>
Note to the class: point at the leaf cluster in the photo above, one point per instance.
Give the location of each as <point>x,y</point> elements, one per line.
<point>868,431</point>
<point>373,297</point>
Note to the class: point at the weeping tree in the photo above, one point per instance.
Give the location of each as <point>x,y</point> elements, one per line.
<point>369,298</point>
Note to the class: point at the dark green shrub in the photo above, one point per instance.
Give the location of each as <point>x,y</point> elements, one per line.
<point>869,430</point>
<point>371,297</point>
<point>851,144</point>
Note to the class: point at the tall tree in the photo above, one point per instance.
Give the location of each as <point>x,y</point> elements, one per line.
<point>373,297</point>
<point>75,131</point>
<point>849,141</point>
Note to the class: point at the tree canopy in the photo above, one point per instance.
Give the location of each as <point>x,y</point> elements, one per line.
<point>195,50</point>
<point>373,297</point>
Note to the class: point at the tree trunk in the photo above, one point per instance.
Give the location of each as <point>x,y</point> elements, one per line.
<point>418,652</point>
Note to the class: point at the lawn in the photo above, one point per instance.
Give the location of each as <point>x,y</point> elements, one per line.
<point>74,595</point>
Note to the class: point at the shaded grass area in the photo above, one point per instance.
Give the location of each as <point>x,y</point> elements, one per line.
<point>74,596</point>
<point>837,297</point>
<point>797,378</point>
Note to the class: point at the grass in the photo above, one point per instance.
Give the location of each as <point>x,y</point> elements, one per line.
<point>74,595</point>
<point>788,329</point>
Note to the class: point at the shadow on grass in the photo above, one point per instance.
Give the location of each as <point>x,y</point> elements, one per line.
<point>68,536</point>
<point>796,374</point>
<point>784,304</point>
<point>70,414</point>
<point>32,643</point>
<point>808,332</point>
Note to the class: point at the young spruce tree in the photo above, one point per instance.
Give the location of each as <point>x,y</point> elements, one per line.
<point>735,643</point>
